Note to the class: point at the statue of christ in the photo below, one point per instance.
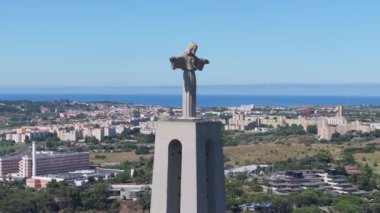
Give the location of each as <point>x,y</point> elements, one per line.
<point>189,63</point>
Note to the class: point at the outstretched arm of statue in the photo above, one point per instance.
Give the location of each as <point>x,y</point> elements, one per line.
<point>201,63</point>
<point>172,59</point>
<point>176,62</point>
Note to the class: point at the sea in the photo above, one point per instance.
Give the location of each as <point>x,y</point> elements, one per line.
<point>202,100</point>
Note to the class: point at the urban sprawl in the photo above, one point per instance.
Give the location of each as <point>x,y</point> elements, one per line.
<point>69,141</point>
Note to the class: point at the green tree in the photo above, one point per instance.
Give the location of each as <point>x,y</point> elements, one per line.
<point>287,130</point>
<point>91,140</point>
<point>282,204</point>
<point>144,199</point>
<point>348,204</point>
<point>254,186</point>
<point>306,198</point>
<point>68,197</point>
<point>372,208</point>
<point>28,201</point>
<point>241,176</point>
<point>234,191</point>
<point>97,197</point>
<point>310,209</point>
<point>136,113</point>
<point>142,150</point>
<point>324,157</point>
<point>345,206</point>
<point>312,129</point>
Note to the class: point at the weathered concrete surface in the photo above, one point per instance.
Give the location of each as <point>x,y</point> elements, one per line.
<point>188,167</point>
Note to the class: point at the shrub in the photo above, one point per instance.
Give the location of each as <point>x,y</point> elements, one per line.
<point>100,156</point>
<point>142,150</point>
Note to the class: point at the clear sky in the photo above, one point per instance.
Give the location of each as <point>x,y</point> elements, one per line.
<point>128,42</point>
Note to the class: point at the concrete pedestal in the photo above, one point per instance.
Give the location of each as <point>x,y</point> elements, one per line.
<point>188,167</point>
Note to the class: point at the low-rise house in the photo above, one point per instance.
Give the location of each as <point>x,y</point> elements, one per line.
<point>128,191</point>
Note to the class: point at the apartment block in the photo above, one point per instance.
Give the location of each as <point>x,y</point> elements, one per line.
<point>53,163</point>
<point>9,165</point>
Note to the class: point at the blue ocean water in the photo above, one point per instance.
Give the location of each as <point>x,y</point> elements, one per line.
<point>203,100</point>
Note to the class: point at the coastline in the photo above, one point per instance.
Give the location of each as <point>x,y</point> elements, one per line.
<point>203,100</point>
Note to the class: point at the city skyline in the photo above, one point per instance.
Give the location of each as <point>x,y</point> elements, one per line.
<point>95,43</point>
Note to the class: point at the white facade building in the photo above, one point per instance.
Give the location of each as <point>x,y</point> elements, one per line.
<point>129,192</point>
<point>67,135</point>
<point>110,132</point>
<point>119,129</point>
<point>98,133</point>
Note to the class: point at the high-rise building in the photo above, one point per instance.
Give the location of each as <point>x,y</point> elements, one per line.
<point>9,164</point>
<point>53,163</point>
<point>339,111</point>
<point>110,132</point>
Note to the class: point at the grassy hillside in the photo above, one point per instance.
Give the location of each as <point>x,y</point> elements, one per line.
<point>272,152</point>
<point>372,159</point>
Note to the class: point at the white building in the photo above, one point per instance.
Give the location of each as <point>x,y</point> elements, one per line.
<point>35,135</point>
<point>325,131</point>
<point>129,192</point>
<point>147,131</point>
<point>377,125</point>
<point>22,135</point>
<point>246,108</point>
<point>248,169</point>
<point>98,133</point>
<point>336,120</point>
<point>238,122</point>
<point>338,183</point>
<point>67,135</point>
<point>119,129</point>
<point>18,138</point>
<point>110,132</point>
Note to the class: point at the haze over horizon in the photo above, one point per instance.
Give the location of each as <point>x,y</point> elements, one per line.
<point>247,89</point>
<point>128,43</point>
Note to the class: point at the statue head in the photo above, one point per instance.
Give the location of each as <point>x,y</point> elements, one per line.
<point>188,61</point>
<point>191,48</point>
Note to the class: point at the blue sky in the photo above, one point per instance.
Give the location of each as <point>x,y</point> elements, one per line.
<point>128,43</point>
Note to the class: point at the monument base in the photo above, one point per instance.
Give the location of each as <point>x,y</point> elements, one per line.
<point>188,172</point>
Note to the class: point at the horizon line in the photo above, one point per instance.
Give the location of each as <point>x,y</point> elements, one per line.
<point>202,85</point>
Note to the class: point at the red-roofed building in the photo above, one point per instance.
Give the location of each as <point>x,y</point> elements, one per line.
<point>352,170</point>
<point>305,112</point>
